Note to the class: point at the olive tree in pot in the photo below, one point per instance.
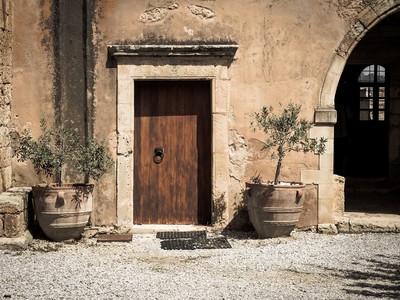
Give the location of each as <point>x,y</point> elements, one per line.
<point>62,209</point>
<point>274,207</point>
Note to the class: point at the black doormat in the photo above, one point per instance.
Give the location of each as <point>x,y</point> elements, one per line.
<point>191,240</point>
<point>178,244</point>
<point>193,244</point>
<point>212,243</point>
<point>167,235</point>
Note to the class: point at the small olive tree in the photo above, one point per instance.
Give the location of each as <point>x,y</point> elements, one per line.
<point>57,147</point>
<point>285,132</point>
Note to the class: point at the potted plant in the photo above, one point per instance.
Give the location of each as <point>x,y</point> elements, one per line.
<point>62,209</point>
<point>274,207</point>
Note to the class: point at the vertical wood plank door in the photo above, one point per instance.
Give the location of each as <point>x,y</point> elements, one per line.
<point>174,116</point>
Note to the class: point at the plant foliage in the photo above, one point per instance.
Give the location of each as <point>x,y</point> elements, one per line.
<point>57,147</point>
<point>93,159</point>
<point>286,132</point>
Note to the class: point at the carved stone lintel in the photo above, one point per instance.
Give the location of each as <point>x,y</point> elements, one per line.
<point>216,50</point>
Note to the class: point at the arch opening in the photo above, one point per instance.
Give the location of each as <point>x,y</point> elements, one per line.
<point>367,132</point>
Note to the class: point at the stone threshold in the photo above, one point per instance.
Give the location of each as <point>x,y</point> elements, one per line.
<point>94,231</point>
<point>368,222</point>
<point>154,228</point>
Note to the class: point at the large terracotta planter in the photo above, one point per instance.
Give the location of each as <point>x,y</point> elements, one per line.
<point>63,212</point>
<point>274,210</point>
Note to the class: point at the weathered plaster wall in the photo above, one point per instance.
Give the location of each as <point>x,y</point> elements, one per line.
<point>54,79</point>
<point>33,74</point>
<point>5,92</point>
<point>285,51</point>
<point>285,48</point>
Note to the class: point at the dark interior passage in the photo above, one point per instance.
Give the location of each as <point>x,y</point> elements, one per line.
<point>367,133</point>
<point>372,195</point>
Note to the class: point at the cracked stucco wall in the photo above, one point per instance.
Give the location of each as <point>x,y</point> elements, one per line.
<point>285,51</point>
<point>238,156</point>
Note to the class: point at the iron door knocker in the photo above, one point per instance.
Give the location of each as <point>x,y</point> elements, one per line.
<point>158,155</point>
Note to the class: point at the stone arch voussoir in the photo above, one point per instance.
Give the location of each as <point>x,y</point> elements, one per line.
<point>325,114</point>
<point>365,20</point>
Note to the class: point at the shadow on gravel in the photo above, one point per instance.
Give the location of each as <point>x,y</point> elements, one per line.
<point>377,279</point>
<point>240,235</point>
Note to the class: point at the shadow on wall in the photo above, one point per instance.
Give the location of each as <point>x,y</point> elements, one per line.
<point>3,181</point>
<point>308,217</point>
<point>241,219</point>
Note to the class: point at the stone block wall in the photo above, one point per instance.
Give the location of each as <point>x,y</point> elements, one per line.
<point>5,93</point>
<point>13,212</point>
<point>308,217</point>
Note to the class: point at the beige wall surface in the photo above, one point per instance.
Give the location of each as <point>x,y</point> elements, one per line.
<point>33,75</point>
<point>285,49</point>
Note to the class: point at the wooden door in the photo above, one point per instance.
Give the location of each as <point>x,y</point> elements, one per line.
<point>172,168</point>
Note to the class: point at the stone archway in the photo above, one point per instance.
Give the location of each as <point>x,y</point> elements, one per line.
<point>330,203</point>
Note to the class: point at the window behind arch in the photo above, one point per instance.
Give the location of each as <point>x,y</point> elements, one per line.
<point>372,85</point>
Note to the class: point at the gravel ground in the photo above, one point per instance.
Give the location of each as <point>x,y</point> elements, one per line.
<point>303,266</point>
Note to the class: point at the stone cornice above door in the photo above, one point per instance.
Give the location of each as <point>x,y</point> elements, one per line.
<point>171,50</point>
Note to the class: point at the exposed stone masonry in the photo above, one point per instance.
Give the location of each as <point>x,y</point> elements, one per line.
<point>367,15</point>
<point>5,93</point>
<point>13,212</point>
<point>156,14</point>
<point>201,12</point>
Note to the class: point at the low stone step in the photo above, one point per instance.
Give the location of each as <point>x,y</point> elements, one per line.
<point>364,222</point>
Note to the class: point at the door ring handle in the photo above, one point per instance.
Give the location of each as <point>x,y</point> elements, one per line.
<point>158,155</point>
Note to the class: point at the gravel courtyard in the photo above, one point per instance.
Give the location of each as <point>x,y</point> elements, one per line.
<point>303,266</point>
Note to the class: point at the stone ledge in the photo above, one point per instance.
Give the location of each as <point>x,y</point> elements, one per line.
<point>362,222</point>
<point>13,212</point>
<point>327,228</point>
<point>16,243</point>
<point>13,201</point>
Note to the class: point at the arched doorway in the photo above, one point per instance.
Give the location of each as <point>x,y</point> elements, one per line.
<point>367,134</point>
<point>361,132</point>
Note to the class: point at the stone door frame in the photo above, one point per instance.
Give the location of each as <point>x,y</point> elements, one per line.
<point>329,204</point>
<point>170,62</point>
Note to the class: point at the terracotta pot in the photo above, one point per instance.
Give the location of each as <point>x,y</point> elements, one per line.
<point>63,212</point>
<point>274,210</point>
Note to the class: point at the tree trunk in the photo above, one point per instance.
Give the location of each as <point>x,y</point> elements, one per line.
<point>278,171</point>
